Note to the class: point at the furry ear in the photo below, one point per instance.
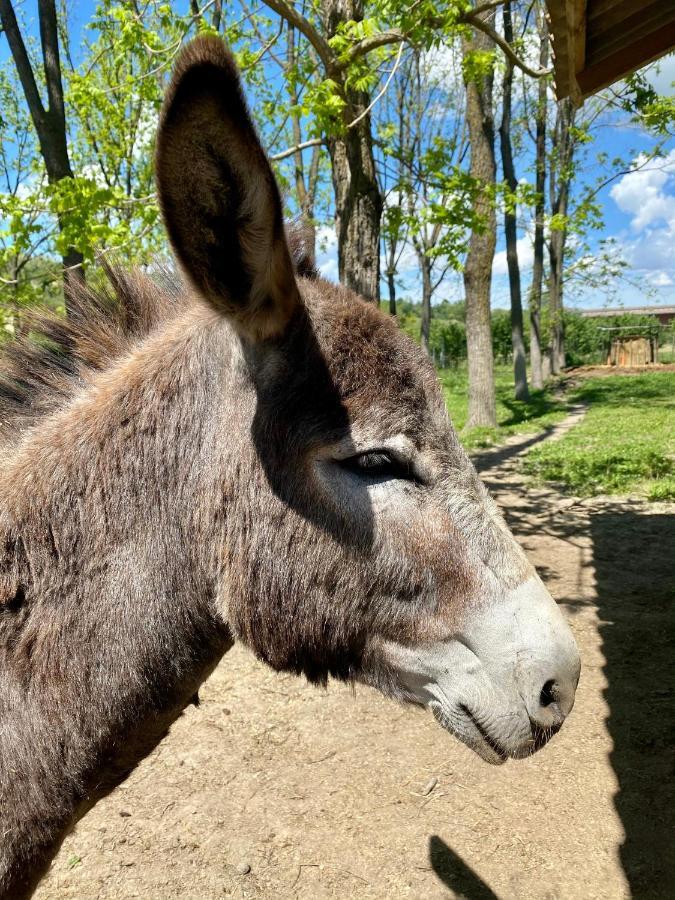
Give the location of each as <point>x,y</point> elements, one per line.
<point>218,195</point>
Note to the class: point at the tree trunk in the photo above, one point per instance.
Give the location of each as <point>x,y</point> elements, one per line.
<point>358,202</point>
<point>305,186</point>
<point>358,208</point>
<point>510,227</point>
<point>427,290</point>
<point>537,374</point>
<point>50,123</point>
<point>563,145</point>
<point>478,267</point>
<point>391,284</point>
<point>556,254</point>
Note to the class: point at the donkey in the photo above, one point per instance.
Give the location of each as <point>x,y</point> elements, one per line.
<point>258,455</point>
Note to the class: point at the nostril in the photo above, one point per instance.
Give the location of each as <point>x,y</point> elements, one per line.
<point>549,693</point>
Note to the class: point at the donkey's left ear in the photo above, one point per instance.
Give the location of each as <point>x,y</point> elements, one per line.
<point>218,195</point>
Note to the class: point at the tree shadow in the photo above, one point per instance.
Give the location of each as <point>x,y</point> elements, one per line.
<point>633,562</point>
<point>539,404</point>
<point>635,580</point>
<point>488,459</point>
<point>455,873</point>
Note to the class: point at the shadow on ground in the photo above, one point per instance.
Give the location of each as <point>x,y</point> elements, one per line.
<point>635,578</point>
<point>633,556</point>
<point>455,873</point>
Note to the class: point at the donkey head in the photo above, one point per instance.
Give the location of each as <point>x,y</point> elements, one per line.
<point>359,541</point>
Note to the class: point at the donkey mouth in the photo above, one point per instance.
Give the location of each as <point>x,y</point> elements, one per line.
<point>491,742</point>
<point>466,727</point>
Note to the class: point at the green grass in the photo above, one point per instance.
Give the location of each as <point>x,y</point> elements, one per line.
<point>625,443</point>
<point>513,416</point>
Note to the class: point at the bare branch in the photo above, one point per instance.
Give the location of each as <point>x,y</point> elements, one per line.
<point>486,7</point>
<point>394,36</point>
<point>382,92</point>
<point>472,18</point>
<point>304,26</point>
<point>314,142</point>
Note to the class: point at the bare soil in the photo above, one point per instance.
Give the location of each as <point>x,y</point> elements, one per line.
<point>273,789</point>
<point>606,371</point>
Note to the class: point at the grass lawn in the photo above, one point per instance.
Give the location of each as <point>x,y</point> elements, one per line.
<point>513,416</point>
<point>625,443</point>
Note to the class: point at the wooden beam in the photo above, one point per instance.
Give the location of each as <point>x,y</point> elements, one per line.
<point>575,30</point>
<point>626,60</point>
<point>602,17</point>
<point>613,38</point>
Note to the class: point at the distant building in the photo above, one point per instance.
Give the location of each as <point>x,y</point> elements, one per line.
<point>663,314</point>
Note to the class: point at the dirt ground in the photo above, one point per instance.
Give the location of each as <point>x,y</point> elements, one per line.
<point>274,789</point>
<point>607,371</point>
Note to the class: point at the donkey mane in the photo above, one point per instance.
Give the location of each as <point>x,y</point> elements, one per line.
<point>43,367</point>
<point>53,356</point>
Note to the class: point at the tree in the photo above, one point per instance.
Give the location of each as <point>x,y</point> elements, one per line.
<point>541,112</point>
<point>305,178</point>
<point>436,211</point>
<point>357,196</point>
<point>346,42</point>
<point>560,181</point>
<point>113,97</point>
<point>478,53</point>
<point>510,227</point>
<point>49,122</point>
<point>393,138</point>
<point>24,235</point>
<point>342,104</point>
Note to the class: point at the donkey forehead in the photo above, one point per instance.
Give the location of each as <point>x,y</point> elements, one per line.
<point>383,378</point>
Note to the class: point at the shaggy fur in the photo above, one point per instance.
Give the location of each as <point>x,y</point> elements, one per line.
<point>170,483</point>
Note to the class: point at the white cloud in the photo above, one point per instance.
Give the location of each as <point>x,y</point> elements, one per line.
<point>525,257</point>
<point>661,279</point>
<point>642,195</point>
<point>442,66</point>
<point>326,255</point>
<point>648,197</point>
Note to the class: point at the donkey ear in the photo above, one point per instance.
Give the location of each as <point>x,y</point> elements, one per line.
<point>218,195</point>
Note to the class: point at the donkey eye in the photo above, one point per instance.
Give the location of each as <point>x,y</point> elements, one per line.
<point>378,464</point>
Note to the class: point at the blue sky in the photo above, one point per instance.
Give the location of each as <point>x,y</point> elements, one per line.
<point>638,208</point>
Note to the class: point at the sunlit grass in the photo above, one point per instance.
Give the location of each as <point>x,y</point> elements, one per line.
<point>625,444</point>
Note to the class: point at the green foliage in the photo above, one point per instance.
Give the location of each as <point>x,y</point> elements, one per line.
<point>652,110</point>
<point>477,64</point>
<point>447,340</point>
<point>625,443</point>
<point>112,99</point>
<point>501,334</point>
<point>24,233</point>
<point>324,102</point>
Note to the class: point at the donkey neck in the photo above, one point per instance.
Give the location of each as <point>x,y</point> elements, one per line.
<point>108,618</point>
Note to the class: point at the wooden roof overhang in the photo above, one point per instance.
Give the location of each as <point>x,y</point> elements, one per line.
<point>597,42</point>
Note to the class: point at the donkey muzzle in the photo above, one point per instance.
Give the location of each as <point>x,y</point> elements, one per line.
<point>504,683</point>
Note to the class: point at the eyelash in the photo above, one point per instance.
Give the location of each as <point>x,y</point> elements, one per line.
<point>379,464</point>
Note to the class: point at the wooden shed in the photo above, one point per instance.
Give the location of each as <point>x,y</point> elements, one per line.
<point>632,345</point>
<point>632,350</point>
<point>598,42</point>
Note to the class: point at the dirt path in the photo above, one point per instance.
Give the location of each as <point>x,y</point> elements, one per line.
<point>330,795</point>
